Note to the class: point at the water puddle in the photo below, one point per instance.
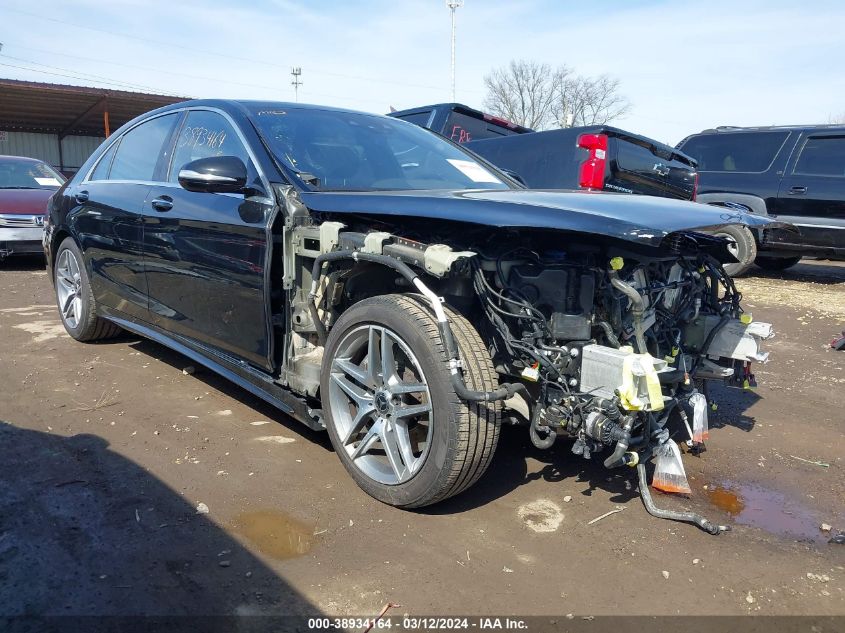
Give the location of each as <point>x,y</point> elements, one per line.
<point>767,509</point>
<point>274,533</point>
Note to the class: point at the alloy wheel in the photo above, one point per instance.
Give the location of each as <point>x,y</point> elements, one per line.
<point>380,404</point>
<point>69,288</point>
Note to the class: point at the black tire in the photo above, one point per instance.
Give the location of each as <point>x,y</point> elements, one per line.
<point>463,437</point>
<point>746,248</point>
<point>86,325</point>
<point>776,264</point>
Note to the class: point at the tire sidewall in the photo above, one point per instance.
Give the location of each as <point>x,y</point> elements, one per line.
<point>437,466</point>
<point>84,292</point>
<point>746,249</point>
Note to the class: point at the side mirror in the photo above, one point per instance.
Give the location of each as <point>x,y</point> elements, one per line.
<point>215,174</point>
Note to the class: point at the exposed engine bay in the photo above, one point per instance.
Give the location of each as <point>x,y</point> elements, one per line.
<point>600,342</point>
<point>615,349</point>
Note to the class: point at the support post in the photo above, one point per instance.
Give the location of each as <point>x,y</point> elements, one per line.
<point>106,127</point>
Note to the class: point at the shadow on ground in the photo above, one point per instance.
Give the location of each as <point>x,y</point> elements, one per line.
<point>23,263</point>
<point>228,388</point>
<point>87,532</point>
<point>816,271</point>
<point>517,462</point>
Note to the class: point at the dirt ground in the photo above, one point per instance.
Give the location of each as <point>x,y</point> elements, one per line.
<point>130,486</point>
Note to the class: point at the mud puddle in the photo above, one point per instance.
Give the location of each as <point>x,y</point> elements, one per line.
<point>274,533</point>
<point>769,510</point>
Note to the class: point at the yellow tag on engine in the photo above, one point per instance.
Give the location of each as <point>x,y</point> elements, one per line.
<point>640,365</point>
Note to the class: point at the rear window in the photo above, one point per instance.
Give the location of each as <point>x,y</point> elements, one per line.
<point>741,151</point>
<point>822,156</point>
<point>417,118</point>
<point>635,157</point>
<point>462,128</point>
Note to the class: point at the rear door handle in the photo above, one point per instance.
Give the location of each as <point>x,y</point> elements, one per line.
<point>81,197</point>
<point>797,191</point>
<point>164,203</point>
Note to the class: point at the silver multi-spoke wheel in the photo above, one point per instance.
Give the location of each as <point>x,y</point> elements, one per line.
<point>69,288</point>
<point>381,405</point>
<point>390,408</point>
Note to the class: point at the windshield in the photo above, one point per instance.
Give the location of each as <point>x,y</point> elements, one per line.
<point>342,151</point>
<point>25,174</point>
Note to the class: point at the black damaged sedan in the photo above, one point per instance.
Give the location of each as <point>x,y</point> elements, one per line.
<point>372,279</point>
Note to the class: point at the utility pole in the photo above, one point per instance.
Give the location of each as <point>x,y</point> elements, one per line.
<point>453,4</point>
<point>296,73</point>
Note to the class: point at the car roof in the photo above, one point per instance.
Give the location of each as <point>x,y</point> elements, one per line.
<point>766,128</point>
<point>246,105</point>
<point>18,159</point>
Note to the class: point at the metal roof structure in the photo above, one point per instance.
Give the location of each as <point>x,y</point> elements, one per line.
<point>29,106</point>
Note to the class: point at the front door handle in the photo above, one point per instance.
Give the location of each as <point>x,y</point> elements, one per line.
<point>81,197</point>
<point>797,191</point>
<point>164,203</point>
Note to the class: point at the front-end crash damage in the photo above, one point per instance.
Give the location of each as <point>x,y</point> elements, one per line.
<point>606,336</point>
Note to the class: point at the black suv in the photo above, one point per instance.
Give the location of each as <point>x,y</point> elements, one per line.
<point>794,173</point>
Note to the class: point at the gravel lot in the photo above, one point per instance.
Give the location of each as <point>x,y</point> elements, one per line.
<point>108,451</point>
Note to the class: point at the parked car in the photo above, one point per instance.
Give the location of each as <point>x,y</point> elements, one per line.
<point>793,173</point>
<point>372,279</point>
<point>594,158</point>
<point>459,123</point>
<point>25,186</point>
<point>598,157</point>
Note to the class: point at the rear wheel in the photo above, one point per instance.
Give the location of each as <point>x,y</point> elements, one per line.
<point>391,411</point>
<point>741,245</point>
<point>76,303</point>
<point>776,263</point>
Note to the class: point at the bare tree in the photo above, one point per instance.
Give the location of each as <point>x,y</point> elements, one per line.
<point>534,95</point>
<point>580,100</point>
<point>521,92</point>
<point>837,119</point>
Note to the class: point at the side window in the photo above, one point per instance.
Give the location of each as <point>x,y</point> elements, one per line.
<point>752,152</point>
<point>205,134</point>
<point>822,156</point>
<point>140,149</point>
<point>101,171</point>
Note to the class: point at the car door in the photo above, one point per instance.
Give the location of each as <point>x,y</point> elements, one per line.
<point>206,253</point>
<point>812,194</point>
<point>106,215</point>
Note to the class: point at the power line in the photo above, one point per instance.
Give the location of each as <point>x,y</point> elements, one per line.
<point>67,76</point>
<point>120,84</point>
<point>136,67</point>
<point>86,76</point>
<point>148,40</point>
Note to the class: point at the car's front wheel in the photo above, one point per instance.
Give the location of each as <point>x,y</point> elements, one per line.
<point>75,300</point>
<point>391,411</point>
<point>741,245</point>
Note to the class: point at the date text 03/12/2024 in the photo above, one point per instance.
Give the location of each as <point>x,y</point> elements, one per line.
<point>410,623</point>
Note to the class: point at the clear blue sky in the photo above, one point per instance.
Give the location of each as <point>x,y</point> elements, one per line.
<point>684,66</point>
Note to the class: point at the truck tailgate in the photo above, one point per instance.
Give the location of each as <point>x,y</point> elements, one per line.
<point>640,165</point>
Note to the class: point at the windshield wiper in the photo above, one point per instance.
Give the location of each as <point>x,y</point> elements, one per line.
<point>20,187</point>
<point>308,178</point>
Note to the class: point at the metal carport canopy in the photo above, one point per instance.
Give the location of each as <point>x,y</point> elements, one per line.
<point>29,106</point>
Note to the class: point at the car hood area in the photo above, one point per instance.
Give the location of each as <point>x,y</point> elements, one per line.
<point>644,220</point>
<point>24,201</point>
